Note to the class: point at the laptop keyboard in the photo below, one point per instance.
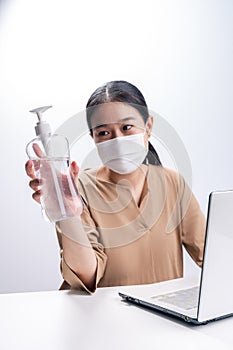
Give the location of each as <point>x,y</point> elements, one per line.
<point>185,298</point>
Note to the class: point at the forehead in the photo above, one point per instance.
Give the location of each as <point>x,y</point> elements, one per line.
<point>114,112</point>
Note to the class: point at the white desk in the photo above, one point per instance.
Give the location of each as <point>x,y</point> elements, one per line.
<point>65,320</point>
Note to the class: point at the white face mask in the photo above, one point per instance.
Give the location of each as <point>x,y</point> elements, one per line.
<point>123,154</point>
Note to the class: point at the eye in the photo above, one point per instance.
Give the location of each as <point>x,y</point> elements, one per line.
<point>103,133</point>
<point>127,127</point>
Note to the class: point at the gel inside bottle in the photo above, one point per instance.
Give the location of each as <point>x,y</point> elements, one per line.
<point>51,160</point>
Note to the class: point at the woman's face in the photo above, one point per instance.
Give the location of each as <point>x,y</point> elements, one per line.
<point>116,119</point>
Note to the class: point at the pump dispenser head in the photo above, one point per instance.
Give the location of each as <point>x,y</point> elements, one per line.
<point>42,127</point>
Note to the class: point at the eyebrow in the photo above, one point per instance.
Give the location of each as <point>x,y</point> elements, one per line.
<point>120,121</point>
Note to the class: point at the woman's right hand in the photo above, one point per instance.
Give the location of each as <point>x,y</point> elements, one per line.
<point>34,183</point>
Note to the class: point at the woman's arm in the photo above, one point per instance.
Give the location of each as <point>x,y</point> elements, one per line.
<point>82,265</point>
<point>193,225</point>
<point>78,252</point>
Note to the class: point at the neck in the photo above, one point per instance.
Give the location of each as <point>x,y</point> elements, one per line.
<point>133,177</point>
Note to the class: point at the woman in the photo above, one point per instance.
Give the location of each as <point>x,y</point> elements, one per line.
<point>137,215</point>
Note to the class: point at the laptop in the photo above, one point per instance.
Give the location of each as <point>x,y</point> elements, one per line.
<point>210,297</point>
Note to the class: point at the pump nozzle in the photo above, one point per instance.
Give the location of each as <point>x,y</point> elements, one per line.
<point>42,126</point>
<point>38,111</point>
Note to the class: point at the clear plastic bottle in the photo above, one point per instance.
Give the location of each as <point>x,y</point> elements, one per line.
<point>51,160</point>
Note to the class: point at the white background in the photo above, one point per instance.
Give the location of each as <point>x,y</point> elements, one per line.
<point>179,53</point>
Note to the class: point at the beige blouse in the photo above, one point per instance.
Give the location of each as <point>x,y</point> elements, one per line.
<point>138,244</point>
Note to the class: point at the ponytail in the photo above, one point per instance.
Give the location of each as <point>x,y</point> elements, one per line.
<point>152,157</point>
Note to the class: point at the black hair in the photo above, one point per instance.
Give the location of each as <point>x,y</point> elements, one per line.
<point>122,91</point>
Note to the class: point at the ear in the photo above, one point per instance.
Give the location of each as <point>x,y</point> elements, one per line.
<point>149,125</point>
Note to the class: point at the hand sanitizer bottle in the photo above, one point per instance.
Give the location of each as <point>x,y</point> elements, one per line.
<point>50,155</point>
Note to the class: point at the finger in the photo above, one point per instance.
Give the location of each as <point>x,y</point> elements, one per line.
<point>35,183</point>
<point>29,169</point>
<point>74,168</point>
<point>36,196</point>
<point>37,150</point>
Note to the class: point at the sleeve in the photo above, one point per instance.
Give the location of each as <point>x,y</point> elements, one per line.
<point>72,280</point>
<point>193,224</point>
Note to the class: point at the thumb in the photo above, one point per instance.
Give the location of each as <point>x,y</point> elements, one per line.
<point>37,150</point>
<point>74,169</point>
